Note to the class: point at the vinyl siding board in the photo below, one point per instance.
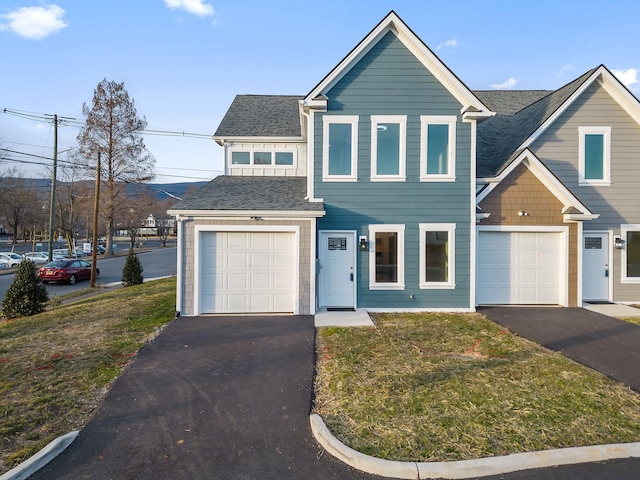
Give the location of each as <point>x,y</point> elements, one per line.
<point>617,203</point>
<point>389,80</point>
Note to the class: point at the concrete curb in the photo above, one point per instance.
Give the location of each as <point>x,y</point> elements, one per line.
<point>481,467</point>
<point>40,459</point>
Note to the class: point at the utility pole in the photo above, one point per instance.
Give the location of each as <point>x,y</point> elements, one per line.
<point>94,240</point>
<point>52,203</point>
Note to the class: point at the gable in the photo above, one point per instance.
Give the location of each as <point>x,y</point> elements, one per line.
<point>390,78</point>
<point>392,23</point>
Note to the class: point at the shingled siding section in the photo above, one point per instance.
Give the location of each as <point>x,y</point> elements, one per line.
<point>522,190</point>
<point>304,282</point>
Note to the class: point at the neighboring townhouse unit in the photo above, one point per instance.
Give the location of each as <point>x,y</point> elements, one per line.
<point>392,186</point>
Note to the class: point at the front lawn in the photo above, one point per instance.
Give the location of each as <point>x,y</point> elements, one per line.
<point>56,367</point>
<point>438,387</point>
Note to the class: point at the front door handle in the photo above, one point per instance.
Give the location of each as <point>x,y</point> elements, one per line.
<point>351,276</point>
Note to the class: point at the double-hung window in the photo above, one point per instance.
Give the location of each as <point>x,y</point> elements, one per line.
<point>386,257</point>
<point>437,148</point>
<point>437,255</point>
<point>595,155</point>
<point>340,148</point>
<point>630,234</point>
<point>388,147</point>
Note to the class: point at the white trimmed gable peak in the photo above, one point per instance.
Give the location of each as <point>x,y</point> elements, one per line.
<point>471,105</point>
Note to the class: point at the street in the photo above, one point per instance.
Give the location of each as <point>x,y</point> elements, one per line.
<point>158,261</point>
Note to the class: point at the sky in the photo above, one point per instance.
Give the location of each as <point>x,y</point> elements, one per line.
<point>183,61</point>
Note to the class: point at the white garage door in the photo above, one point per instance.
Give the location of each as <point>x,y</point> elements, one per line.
<point>247,272</point>
<point>518,268</point>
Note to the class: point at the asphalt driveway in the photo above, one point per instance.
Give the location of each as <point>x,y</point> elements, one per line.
<point>603,343</point>
<point>210,398</point>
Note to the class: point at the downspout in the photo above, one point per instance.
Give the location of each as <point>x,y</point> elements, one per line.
<point>310,156</point>
<point>179,265</point>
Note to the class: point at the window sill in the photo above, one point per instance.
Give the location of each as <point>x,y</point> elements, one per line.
<point>340,179</point>
<point>438,178</point>
<point>630,280</point>
<point>388,179</point>
<point>437,286</point>
<point>387,286</point>
<point>591,183</point>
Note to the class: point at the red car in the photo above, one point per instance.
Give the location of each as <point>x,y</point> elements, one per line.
<point>68,270</point>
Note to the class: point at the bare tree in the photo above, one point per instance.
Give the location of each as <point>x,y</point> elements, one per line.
<point>113,129</point>
<point>18,203</point>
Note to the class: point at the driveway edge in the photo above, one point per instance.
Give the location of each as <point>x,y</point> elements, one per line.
<point>481,467</point>
<point>40,459</point>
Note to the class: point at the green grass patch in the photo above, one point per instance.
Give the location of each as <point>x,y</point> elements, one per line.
<point>56,367</point>
<point>438,387</point>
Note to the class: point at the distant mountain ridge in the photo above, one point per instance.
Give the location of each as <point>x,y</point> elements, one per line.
<point>161,190</point>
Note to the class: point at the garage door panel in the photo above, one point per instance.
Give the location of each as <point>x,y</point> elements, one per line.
<point>247,272</point>
<point>518,268</point>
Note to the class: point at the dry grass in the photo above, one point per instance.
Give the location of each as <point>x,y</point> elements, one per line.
<point>437,387</point>
<point>56,367</point>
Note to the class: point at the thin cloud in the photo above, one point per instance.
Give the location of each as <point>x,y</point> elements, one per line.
<point>511,82</point>
<point>564,70</point>
<point>194,7</point>
<point>453,43</point>
<point>628,77</point>
<point>35,23</point>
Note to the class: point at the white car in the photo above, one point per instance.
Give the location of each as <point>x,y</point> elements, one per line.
<point>11,259</point>
<point>39,258</point>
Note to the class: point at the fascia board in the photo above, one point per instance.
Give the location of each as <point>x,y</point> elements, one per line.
<point>611,84</point>
<point>265,214</point>
<point>429,59</point>
<point>229,140</point>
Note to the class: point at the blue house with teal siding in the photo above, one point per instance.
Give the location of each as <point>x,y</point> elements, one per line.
<point>391,186</point>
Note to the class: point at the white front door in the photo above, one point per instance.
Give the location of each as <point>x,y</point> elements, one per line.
<point>595,266</point>
<point>336,279</point>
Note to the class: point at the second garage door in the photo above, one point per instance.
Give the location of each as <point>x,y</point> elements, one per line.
<point>519,268</point>
<point>247,272</point>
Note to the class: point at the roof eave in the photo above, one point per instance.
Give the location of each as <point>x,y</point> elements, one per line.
<point>250,214</point>
<point>226,140</point>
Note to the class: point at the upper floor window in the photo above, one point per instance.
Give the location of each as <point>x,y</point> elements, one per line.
<point>437,148</point>
<point>386,257</point>
<point>595,155</point>
<point>340,148</point>
<point>388,147</point>
<point>437,255</point>
<point>280,158</point>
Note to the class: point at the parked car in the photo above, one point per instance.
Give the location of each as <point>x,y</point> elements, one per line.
<point>60,253</point>
<point>39,258</point>
<point>66,271</point>
<point>12,259</point>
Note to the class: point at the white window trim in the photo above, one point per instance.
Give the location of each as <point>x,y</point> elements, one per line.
<point>631,227</point>
<point>273,152</point>
<point>340,119</point>
<point>606,155</point>
<point>373,229</point>
<point>425,121</point>
<point>402,154</point>
<point>450,228</point>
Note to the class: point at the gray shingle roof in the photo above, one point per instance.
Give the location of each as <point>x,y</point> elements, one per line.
<point>500,137</point>
<point>251,193</point>
<point>261,116</point>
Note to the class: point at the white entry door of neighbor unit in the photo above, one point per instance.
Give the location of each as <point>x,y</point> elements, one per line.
<point>595,266</point>
<point>247,272</point>
<point>336,257</point>
<point>519,268</point>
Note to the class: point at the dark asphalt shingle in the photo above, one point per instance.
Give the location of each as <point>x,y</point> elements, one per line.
<point>261,116</point>
<point>251,193</point>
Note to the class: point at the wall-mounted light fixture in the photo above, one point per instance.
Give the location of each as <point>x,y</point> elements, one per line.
<point>363,244</point>
<point>257,218</point>
<point>618,243</point>
<point>522,213</point>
